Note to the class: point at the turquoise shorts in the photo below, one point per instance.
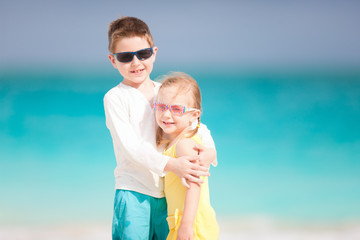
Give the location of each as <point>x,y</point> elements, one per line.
<point>139,216</point>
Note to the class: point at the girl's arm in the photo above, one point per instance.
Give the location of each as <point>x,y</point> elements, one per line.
<point>207,154</point>
<point>186,231</point>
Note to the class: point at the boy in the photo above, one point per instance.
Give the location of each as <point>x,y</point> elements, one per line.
<point>139,205</point>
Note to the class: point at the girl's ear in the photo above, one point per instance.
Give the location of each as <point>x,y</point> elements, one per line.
<point>195,115</point>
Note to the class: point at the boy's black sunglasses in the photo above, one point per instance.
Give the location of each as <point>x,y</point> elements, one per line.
<point>142,54</point>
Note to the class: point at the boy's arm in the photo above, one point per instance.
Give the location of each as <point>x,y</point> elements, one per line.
<point>127,140</point>
<point>140,151</point>
<point>192,197</point>
<point>187,168</point>
<point>207,152</point>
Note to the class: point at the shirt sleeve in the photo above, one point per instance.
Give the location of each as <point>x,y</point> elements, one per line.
<point>128,141</point>
<point>205,135</point>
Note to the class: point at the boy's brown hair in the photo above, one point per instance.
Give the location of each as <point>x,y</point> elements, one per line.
<point>126,27</point>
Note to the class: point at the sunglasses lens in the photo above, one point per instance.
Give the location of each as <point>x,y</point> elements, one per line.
<point>160,107</point>
<point>177,109</point>
<point>144,54</point>
<point>124,57</point>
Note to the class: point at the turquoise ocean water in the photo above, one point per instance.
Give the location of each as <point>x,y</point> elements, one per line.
<point>288,144</point>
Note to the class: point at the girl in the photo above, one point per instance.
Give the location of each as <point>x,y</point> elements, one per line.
<point>178,108</point>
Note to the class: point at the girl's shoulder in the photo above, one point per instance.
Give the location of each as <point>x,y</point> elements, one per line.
<point>186,146</point>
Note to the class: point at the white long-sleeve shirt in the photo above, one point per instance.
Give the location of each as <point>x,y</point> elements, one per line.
<point>131,122</point>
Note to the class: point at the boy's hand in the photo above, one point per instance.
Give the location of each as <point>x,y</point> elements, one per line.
<point>207,155</point>
<point>185,232</point>
<point>186,167</point>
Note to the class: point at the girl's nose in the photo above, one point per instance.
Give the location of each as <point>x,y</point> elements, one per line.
<point>167,113</point>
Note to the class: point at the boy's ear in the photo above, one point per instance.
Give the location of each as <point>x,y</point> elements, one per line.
<point>155,49</point>
<point>112,60</point>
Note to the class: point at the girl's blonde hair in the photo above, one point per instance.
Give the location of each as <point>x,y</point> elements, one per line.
<point>185,84</point>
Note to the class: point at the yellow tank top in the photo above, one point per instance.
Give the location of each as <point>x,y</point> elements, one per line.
<point>205,225</point>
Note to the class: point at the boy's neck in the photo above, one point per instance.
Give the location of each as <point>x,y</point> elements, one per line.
<point>146,88</point>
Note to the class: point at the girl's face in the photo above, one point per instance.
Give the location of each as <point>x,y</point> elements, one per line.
<point>171,122</point>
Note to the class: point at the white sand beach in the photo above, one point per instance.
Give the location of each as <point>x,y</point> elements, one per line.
<point>267,229</point>
<point>230,229</point>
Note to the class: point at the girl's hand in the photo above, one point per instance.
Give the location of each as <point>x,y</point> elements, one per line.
<point>185,232</point>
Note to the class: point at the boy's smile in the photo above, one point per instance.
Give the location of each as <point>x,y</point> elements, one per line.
<point>138,71</point>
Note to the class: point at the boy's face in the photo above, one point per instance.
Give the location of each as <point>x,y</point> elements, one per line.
<point>136,71</point>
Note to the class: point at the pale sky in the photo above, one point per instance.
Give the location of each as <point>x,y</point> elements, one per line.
<point>188,32</point>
